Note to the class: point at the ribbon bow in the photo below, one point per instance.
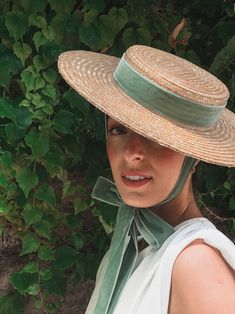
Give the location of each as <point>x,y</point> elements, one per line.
<point>124,245</point>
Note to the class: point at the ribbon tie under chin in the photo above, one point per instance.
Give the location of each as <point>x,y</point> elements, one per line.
<point>123,251</point>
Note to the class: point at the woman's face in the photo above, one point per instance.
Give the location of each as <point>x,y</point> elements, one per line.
<point>144,171</point>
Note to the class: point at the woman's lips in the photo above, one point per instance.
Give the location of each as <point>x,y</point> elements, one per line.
<point>135,181</point>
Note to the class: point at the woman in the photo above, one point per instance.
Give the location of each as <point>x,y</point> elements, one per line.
<point>164,114</point>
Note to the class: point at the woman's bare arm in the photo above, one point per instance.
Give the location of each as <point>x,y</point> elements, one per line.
<point>202,282</point>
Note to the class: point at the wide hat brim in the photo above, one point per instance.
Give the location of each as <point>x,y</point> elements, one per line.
<point>91,75</point>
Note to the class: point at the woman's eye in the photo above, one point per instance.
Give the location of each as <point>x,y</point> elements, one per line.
<point>117,130</point>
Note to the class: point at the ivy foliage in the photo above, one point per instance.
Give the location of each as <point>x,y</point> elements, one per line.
<point>52,140</point>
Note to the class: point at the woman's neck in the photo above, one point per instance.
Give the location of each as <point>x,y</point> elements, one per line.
<point>182,208</point>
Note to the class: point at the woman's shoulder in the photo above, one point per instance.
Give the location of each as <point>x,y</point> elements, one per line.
<point>201,228</point>
<point>200,255</point>
<point>202,281</point>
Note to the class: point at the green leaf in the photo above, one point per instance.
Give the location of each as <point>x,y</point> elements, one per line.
<point>49,33</point>
<point>90,36</point>
<point>31,244</point>
<point>227,186</point>
<point>22,51</point>
<point>50,76</point>
<point>5,75</point>
<point>68,189</point>
<point>55,156</point>
<point>48,109</point>
<point>78,240</point>
<point>40,63</point>
<point>57,283</point>
<point>29,78</point>
<point>38,142</point>
<point>4,208</point>
<point>32,215</point>
<point>98,5</point>
<point>23,118</point>
<point>64,122</point>
<point>15,65</point>
<point>20,116</point>
<point>16,23</point>
<point>59,26</point>
<point>44,229</point>
<point>21,281</point>
<point>224,58</point>
<point>32,81</point>
<point>14,133</point>
<point>225,31</point>
<point>31,267</point>
<point>214,177</point>
<point>232,203</point>
<point>45,253</point>
<point>27,180</point>
<point>62,6</point>
<point>107,30</point>
<point>102,32</point>
<point>34,6</point>
<point>37,20</point>
<point>90,17</point>
<point>6,160</point>
<point>25,103</point>
<point>3,30</point>
<point>6,109</point>
<point>119,18</point>
<point>74,221</point>
<point>3,180</point>
<point>46,274</point>
<point>65,257</point>
<point>133,36</point>
<point>39,40</point>
<point>12,303</point>
<point>33,289</point>
<point>77,101</point>
<point>52,51</point>
<point>189,55</point>
<point>46,193</point>
<point>49,91</point>
<point>39,103</point>
<point>79,205</point>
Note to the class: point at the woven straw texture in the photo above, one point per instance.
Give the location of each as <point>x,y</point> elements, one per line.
<point>91,75</point>
<point>177,75</point>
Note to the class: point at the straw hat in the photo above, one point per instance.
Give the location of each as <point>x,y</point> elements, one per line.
<point>160,96</point>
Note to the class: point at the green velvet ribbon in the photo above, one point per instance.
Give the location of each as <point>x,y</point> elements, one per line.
<point>130,223</point>
<point>162,101</point>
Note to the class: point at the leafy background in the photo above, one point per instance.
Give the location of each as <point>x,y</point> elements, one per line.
<point>52,140</point>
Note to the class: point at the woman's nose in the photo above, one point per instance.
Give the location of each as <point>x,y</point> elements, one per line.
<point>135,148</point>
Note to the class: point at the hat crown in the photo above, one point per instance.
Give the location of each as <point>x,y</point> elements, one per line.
<point>177,75</point>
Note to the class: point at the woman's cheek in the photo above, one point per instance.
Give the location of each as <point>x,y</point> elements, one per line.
<point>168,156</point>
<point>112,152</point>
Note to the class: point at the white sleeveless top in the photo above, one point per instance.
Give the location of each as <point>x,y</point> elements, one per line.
<point>148,289</point>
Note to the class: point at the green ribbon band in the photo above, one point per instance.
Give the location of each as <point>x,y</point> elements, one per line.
<point>163,102</point>
<point>130,223</point>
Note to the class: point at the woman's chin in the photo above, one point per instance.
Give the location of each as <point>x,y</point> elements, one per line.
<point>138,204</point>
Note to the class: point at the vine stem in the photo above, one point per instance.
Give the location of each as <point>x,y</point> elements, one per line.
<point>34,170</point>
<point>39,284</point>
